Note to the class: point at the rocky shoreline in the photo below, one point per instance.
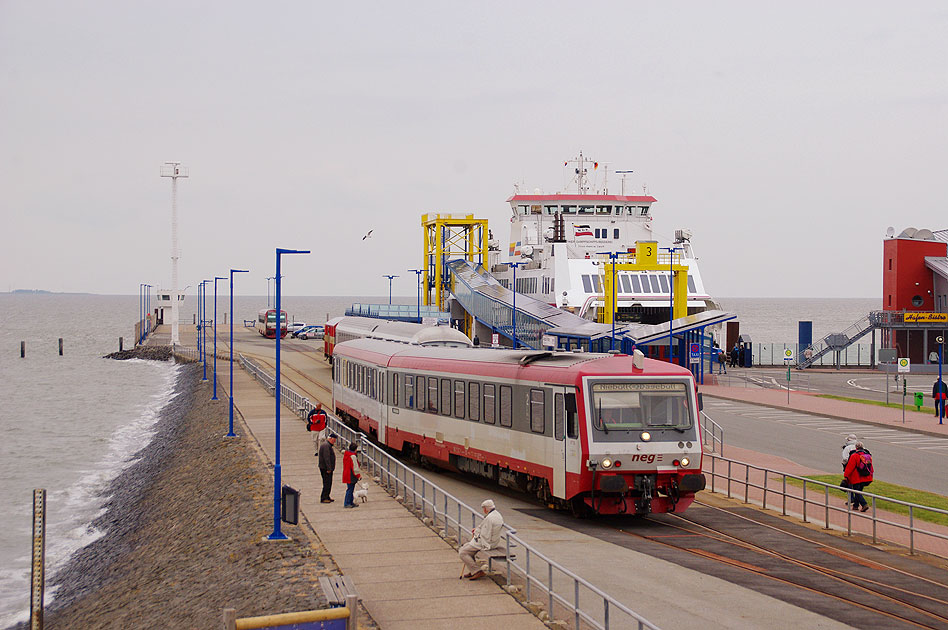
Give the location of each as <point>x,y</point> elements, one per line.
<point>184,531</point>
<point>150,353</point>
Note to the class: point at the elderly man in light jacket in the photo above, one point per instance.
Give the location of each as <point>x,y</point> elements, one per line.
<point>486,536</point>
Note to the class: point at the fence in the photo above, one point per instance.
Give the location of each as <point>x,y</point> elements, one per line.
<point>758,479</point>
<point>583,603</point>
<point>771,354</point>
<point>713,434</point>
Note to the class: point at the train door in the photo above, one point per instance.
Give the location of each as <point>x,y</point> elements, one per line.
<point>565,438</point>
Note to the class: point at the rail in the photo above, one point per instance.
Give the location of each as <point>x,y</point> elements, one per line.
<point>185,352</point>
<point>713,434</point>
<point>757,478</point>
<point>583,602</point>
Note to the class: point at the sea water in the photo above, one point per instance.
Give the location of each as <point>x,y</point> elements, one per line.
<point>72,423</point>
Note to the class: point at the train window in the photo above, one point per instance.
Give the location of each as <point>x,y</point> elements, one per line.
<point>409,391</point>
<point>474,402</point>
<point>537,408</point>
<point>432,394</point>
<point>559,416</point>
<point>489,403</point>
<point>445,397</point>
<point>459,399</point>
<point>572,425</point>
<point>396,380</point>
<point>506,406</point>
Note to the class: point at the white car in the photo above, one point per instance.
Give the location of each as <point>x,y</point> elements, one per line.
<point>311,332</point>
<point>295,327</point>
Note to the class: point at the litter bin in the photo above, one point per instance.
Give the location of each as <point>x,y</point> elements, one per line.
<point>919,400</point>
<point>290,505</point>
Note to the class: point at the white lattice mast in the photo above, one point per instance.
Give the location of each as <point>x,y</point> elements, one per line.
<point>174,170</point>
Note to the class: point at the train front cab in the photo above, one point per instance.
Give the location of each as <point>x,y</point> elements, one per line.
<point>643,449</point>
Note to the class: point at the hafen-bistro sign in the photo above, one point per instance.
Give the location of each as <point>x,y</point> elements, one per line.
<point>926,318</point>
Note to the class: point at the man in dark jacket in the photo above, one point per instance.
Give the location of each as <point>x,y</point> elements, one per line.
<point>939,393</point>
<point>327,464</point>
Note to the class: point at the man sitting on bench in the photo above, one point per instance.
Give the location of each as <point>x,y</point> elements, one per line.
<point>486,536</point>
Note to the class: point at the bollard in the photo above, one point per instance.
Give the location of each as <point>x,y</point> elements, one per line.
<point>22,349</point>
<point>121,341</point>
<point>60,346</point>
<point>230,619</point>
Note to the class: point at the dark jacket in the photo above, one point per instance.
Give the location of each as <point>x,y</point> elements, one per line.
<point>939,388</point>
<point>327,457</point>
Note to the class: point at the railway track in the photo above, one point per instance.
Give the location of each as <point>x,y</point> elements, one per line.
<point>841,583</point>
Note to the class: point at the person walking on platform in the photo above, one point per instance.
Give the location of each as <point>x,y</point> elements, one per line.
<point>351,473</point>
<point>327,465</point>
<point>734,352</point>
<point>848,448</point>
<point>939,393</point>
<point>485,537</point>
<point>858,475</point>
<point>722,363</point>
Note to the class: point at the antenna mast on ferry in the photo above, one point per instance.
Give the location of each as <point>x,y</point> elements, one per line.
<point>582,185</point>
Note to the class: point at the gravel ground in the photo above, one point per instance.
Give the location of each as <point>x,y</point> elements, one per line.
<point>184,535</point>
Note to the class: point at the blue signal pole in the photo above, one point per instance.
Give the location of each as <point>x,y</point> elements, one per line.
<point>418,273</point>
<point>216,278</point>
<point>277,476</point>
<point>230,432</point>
<point>390,278</point>
<point>513,313</point>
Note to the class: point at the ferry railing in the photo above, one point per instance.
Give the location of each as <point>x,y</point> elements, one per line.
<point>565,594</point>
<point>713,434</point>
<point>810,500</point>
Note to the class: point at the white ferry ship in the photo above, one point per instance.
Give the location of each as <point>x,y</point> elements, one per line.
<point>560,238</point>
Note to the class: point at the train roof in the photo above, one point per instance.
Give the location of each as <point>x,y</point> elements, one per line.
<point>502,360</point>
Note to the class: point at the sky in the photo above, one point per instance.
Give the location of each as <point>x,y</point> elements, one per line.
<point>786,136</point>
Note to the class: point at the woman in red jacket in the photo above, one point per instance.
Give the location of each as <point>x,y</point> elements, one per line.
<point>858,475</point>
<point>351,473</point>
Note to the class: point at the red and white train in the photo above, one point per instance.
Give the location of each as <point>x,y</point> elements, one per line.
<point>600,433</point>
<point>267,323</point>
<point>349,327</point>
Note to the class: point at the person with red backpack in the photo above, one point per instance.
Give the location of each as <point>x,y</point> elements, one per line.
<point>858,475</point>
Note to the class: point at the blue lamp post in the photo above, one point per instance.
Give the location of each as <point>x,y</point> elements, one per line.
<point>941,346</point>
<point>513,313</point>
<point>613,256</point>
<point>200,286</point>
<point>216,278</point>
<point>147,310</point>
<point>230,432</point>
<point>204,325</point>
<point>141,309</point>
<point>671,297</point>
<point>268,290</point>
<point>418,273</point>
<point>277,477</point>
<point>390,278</point>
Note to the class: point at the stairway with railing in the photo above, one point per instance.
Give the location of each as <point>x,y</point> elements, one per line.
<point>835,342</point>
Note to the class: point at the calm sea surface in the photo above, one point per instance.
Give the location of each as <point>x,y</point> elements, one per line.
<point>70,424</point>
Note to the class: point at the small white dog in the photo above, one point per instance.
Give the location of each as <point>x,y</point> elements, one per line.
<point>362,492</point>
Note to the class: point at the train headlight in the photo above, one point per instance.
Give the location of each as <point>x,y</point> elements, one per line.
<point>684,462</point>
<point>607,463</point>
<point>646,436</point>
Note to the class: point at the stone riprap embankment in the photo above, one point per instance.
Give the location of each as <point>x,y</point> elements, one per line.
<point>152,353</point>
<point>184,532</point>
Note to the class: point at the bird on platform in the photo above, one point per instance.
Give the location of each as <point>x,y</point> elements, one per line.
<point>368,235</point>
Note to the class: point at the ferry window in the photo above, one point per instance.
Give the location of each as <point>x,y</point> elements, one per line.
<point>537,409</point>
<point>535,209</point>
<point>559,417</point>
<point>474,402</point>
<point>459,399</point>
<point>597,283</point>
<point>569,209</point>
<point>643,210</point>
<point>489,405</point>
<point>655,287</point>
<point>603,209</point>
<point>395,389</point>
<point>409,391</point>
<point>551,209</point>
<point>521,209</point>
<point>691,285</point>
<point>626,283</point>
<point>585,210</point>
<point>432,394</point>
<point>664,280</point>
<point>445,397</point>
<point>615,233</point>
<point>587,284</point>
<point>420,387</point>
<point>506,406</point>
<point>636,287</point>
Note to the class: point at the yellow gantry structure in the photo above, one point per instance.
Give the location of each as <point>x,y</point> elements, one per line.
<point>646,257</point>
<point>447,237</point>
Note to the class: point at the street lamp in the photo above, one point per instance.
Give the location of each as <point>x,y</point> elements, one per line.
<point>230,432</point>
<point>200,285</point>
<point>513,313</point>
<point>216,278</point>
<point>148,288</point>
<point>418,273</point>
<point>941,346</point>
<point>141,310</point>
<point>277,481</point>
<point>268,290</point>
<point>390,278</point>
<point>671,297</point>
<point>203,329</point>
<point>613,256</point>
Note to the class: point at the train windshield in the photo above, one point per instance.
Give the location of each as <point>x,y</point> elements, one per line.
<point>271,317</point>
<point>624,407</point>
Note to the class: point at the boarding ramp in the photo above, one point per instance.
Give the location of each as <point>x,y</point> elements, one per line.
<point>835,342</point>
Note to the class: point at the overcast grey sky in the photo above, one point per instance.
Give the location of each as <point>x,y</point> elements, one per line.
<point>786,136</point>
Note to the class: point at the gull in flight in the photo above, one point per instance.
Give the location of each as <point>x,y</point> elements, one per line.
<point>368,235</point>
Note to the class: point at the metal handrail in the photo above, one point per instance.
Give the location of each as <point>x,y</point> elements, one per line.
<point>713,434</point>
<point>424,498</point>
<point>824,503</point>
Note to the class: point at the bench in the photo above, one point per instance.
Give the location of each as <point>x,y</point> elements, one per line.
<point>250,323</point>
<point>338,589</point>
<point>498,554</point>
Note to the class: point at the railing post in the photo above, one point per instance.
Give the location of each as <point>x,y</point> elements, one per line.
<point>747,473</point>
<point>528,574</point>
<point>784,511</point>
<point>911,527</point>
<point>576,602</point>
<point>804,501</point>
<point>550,589</point>
<point>766,476</point>
<point>826,505</point>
